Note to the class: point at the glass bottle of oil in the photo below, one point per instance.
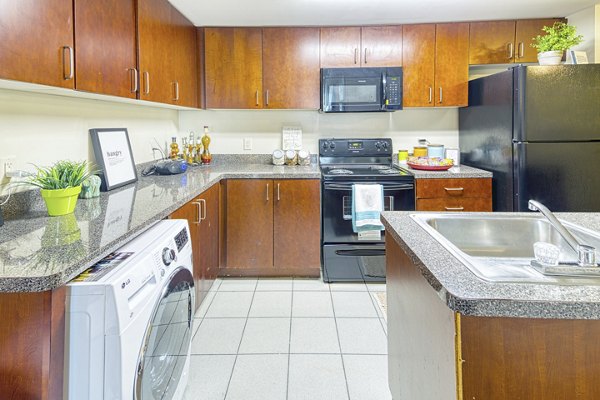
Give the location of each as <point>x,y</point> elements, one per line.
<point>206,156</point>
<point>174,148</point>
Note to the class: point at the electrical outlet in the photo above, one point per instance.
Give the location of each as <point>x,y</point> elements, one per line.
<point>6,166</point>
<point>247,143</point>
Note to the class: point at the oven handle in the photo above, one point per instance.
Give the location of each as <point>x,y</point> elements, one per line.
<point>360,252</point>
<point>386,187</point>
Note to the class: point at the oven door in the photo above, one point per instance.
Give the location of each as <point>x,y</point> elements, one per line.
<point>337,208</point>
<point>354,263</point>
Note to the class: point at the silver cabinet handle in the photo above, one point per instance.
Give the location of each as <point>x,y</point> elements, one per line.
<point>71,63</point>
<point>454,208</point>
<point>510,50</point>
<point>257,97</point>
<point>198,212</point>
<point>441,95</point>
<point>135,77</point>
<point>365,55</point>
<point>267,192</point>
<point>278,198</point>
<point>176,87</point>
<point>146,82</point>
<point>430,94</point>
<point>356,55</point>
<point>203,214</point>
<point>457,189</point>
<point>267,97</point>
<point>521,50</point>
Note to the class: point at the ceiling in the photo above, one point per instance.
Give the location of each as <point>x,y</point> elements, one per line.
<point>367,12</point>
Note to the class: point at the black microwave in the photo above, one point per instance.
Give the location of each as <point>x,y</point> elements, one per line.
<point>361,89</point>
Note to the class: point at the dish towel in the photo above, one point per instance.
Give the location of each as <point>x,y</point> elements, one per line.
<point>367,205</point>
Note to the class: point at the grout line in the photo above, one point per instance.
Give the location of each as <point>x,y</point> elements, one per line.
<point>287,383</point>
<point>378,310</point>
<point>303,316</point>
<point>337,331</point>
<point>240,344</point>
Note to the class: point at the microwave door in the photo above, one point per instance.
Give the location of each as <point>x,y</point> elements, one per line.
<point>352,94</point>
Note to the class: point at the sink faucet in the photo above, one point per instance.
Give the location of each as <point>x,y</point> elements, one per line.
<point>586,255</point>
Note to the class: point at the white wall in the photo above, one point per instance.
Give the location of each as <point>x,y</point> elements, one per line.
<point>42,128</point>
<point>587,22</point>
<point>229,127</point>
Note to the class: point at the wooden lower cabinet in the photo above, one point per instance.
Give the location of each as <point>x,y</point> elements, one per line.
<point>454,194</point>
<point>272,227</point>
<point>447,355</point>
<point>202,215</point>
<point>32,344</point>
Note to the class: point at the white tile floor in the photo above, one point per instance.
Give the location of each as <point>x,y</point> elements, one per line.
<point>289,339</point>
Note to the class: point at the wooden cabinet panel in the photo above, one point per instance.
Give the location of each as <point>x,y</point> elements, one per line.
<point>291,67</point>
<point>455,204</point>
<point>490,42</point>
<point>340,47</point>
<point>155,34</point>
<point>381,46</point>
<point>208,234</point>
<point>418,58</point>
<point>185,61</point>
<point>233,63</point>
<point>452,64</point>
<point>297,224</point>
<point>105,47</point>
<point>453,187</point>
<point>526,30</point>
<point>37,41</point>
<point>249,226</point>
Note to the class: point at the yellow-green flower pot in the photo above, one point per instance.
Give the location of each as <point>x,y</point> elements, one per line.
<point>61,201</point>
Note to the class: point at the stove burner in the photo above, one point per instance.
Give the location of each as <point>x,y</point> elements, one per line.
<point>379,167</point>
<point>340,171</point>
<point>388,171</point>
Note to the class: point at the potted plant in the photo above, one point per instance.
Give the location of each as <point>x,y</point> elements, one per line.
<point>60,185</point>
<point>552,45</point>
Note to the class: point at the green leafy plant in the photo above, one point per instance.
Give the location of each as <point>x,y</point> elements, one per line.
<point>63,174</point>
<point>558,37</point>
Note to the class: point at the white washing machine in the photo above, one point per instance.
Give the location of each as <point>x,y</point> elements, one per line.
<point>129,320</point>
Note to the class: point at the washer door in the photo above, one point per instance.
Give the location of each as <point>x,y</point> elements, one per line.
<point>167,339</point>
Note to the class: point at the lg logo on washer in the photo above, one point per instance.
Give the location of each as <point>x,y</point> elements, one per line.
<point>124,284</point>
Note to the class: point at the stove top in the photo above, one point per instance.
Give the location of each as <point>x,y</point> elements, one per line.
<point>364,171</point>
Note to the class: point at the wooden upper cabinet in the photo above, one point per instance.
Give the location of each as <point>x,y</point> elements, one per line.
<point>291,52</point>
<point>526,30</point>
<point>491,42</point>
<point>340,47</point>
<point>381,46</point>
<point>155,35</point>
<point>37,42</point>
<point>105,47</point>
<point>297,223</point>
<point>185,61</point>
<point>249,226</point>
<point>418,59</point>
<point>452,65</point>
<point>233,65</point>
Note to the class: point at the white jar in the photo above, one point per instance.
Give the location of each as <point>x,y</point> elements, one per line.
<point>278,157</point>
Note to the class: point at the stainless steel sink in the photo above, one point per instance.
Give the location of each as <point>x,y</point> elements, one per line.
<point>499,248</point>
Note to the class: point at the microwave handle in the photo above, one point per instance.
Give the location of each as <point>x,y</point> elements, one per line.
<point>383,92</point>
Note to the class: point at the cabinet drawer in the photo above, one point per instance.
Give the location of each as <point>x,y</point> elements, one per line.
<point>453,188</point>
<point>455,204</point>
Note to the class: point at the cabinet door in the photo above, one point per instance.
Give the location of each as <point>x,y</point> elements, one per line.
<point>526,30</point>
<point>297,224</point>
<point>184,61</point>
<point>491,42</point>
<point>233,64</point>
<point>191,212</point>
<point>208,229</point>
<point>249,226</point>
<point>155,34</point>
<point>452,64</point>
<point>105,47</point>
<point>340,47</point>
<point>37,41</point>
<point>381,46</point>
<point>291,77</point>
<point>418,59</point>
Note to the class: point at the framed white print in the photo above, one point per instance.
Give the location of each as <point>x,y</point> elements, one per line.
<point>113,155</point>
<point>577,57</point>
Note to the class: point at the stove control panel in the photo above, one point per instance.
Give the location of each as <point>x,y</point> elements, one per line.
<point>355,147</point>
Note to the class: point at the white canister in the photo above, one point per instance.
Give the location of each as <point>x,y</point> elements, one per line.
<point>435,150</point>
<point>278,157</point>
<point>303,157</point>
<point>291,157</point>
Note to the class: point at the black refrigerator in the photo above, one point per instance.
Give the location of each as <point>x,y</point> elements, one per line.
<point>537,129</point>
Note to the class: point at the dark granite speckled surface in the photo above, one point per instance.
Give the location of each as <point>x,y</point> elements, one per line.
<point>40,253</point>
<point>462,171</point>
<point>463,292</point>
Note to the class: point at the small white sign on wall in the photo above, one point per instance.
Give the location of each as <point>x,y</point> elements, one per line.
<point>291,138</point>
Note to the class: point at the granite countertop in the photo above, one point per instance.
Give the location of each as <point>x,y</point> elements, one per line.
<point>462,171</point>
<point>465,293</point>
<point>39,253</point>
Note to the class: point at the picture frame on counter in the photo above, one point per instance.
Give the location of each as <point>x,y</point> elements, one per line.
<point>114,157</point>
<point>576,57</point>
